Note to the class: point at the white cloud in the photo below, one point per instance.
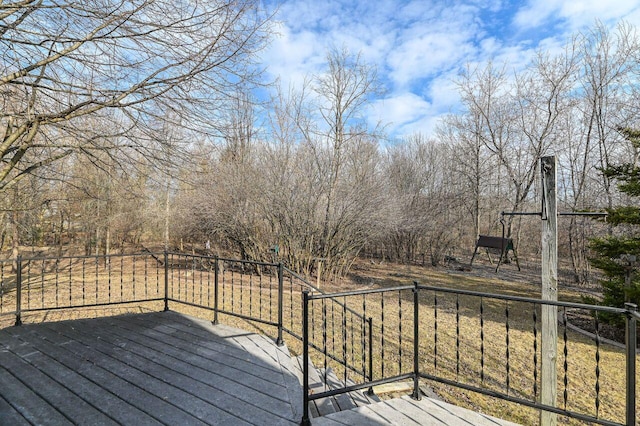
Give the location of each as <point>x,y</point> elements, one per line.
<point>426,125</point>
<point>444,93</point>
<point>425,56</point>
<point>293,56</point>
<point>399,109</point>
<point>576,14</point>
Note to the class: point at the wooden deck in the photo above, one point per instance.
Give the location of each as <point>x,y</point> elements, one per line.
<point>147,369</point>
<point>171,369</point>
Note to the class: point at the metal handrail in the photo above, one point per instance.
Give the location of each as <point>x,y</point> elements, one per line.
<point>630,311</point>
<point>599,308</point>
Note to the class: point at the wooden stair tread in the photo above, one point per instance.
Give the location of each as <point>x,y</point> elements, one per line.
<point>319,381</point>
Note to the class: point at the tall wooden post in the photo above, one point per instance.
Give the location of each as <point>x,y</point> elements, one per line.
<point>549,332</point>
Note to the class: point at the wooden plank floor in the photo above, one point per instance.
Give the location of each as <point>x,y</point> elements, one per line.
<point>146,369</point>
<point>406,411</point>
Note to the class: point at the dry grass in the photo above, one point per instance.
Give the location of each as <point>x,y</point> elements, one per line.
<point>454,352</point>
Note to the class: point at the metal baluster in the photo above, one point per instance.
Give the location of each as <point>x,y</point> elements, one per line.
<point>364,341</point>
<point>353,344</point>
<point>201,289</point>
<point>223,282</point>
<point>146,277</point>
<point>270,297</point>
<point>232,290</point>
<point>597,324</point>
<point>333,327</point>
<point>535,353</point>
<point>70,281</point>
<point>416,343</point>
<point>179,277</point>
<point>566,352</point>
<point>305,359</point>
<point>242,289</point>
<point>2,287</point>
<point>57,269</point>
<point>209,281</point>
<point>169,280</point>
<point>216,289</point>
<point>121,278</point>
<point>44,265</point>
<point>382,334</point>
<point>313,325</point>
<point>481,340</point>
<point>28,274</point>
<point>399,332</point>
<point>370,357</point>
<point>194,267</point>
<point>344,337</point>
<point>457,336</point>
<point>324,335</point>
<point>108,260</point>
<point>435,331</point>
<point>260,296</point>
<point>18,291</point>
<point>84,259</point>
<point>97,278</point>
<point>133,275</point>
<point>506,314</point>
<point>280,310</point>
<point>251,295</point>
<point>291,301</point>
<point>188,276</point>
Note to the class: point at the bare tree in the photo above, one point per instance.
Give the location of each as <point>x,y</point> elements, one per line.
<point>65,61</point>
<point>471,162</point>
<point>424,200</point>
<point>343,92</point>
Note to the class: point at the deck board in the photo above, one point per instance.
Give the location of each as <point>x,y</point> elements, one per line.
<point>406,411</point>
<point>161,368</point>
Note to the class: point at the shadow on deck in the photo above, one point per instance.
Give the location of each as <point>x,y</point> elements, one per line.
<point>147,369</point>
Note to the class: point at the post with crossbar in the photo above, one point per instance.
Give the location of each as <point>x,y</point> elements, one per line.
<point>631,338</point>
<point>416,345</point>
<point>166,281</point>
<point>306,421</point>
<point>19,290</point>
<point>280,341</point>
<point>216,278</point>
<point>549,326</point>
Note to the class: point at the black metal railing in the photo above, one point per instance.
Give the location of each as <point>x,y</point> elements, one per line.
<point>486,343</point>
<point>480,342</point>
<point>43,284</point>
<point>266,293</point>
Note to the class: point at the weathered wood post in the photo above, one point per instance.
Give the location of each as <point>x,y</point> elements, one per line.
<point>549,332</point>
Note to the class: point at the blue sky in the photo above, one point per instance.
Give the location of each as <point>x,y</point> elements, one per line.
<point>419,47</point>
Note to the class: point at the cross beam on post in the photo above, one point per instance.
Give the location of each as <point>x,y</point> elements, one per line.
<point>549,327</point>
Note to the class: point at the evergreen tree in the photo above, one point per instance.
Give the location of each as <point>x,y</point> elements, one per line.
<point>626,236</point>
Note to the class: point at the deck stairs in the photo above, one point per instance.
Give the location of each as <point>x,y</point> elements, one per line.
<point>320,382</point>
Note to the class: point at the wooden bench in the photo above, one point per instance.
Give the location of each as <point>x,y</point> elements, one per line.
<point>504,245</point>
